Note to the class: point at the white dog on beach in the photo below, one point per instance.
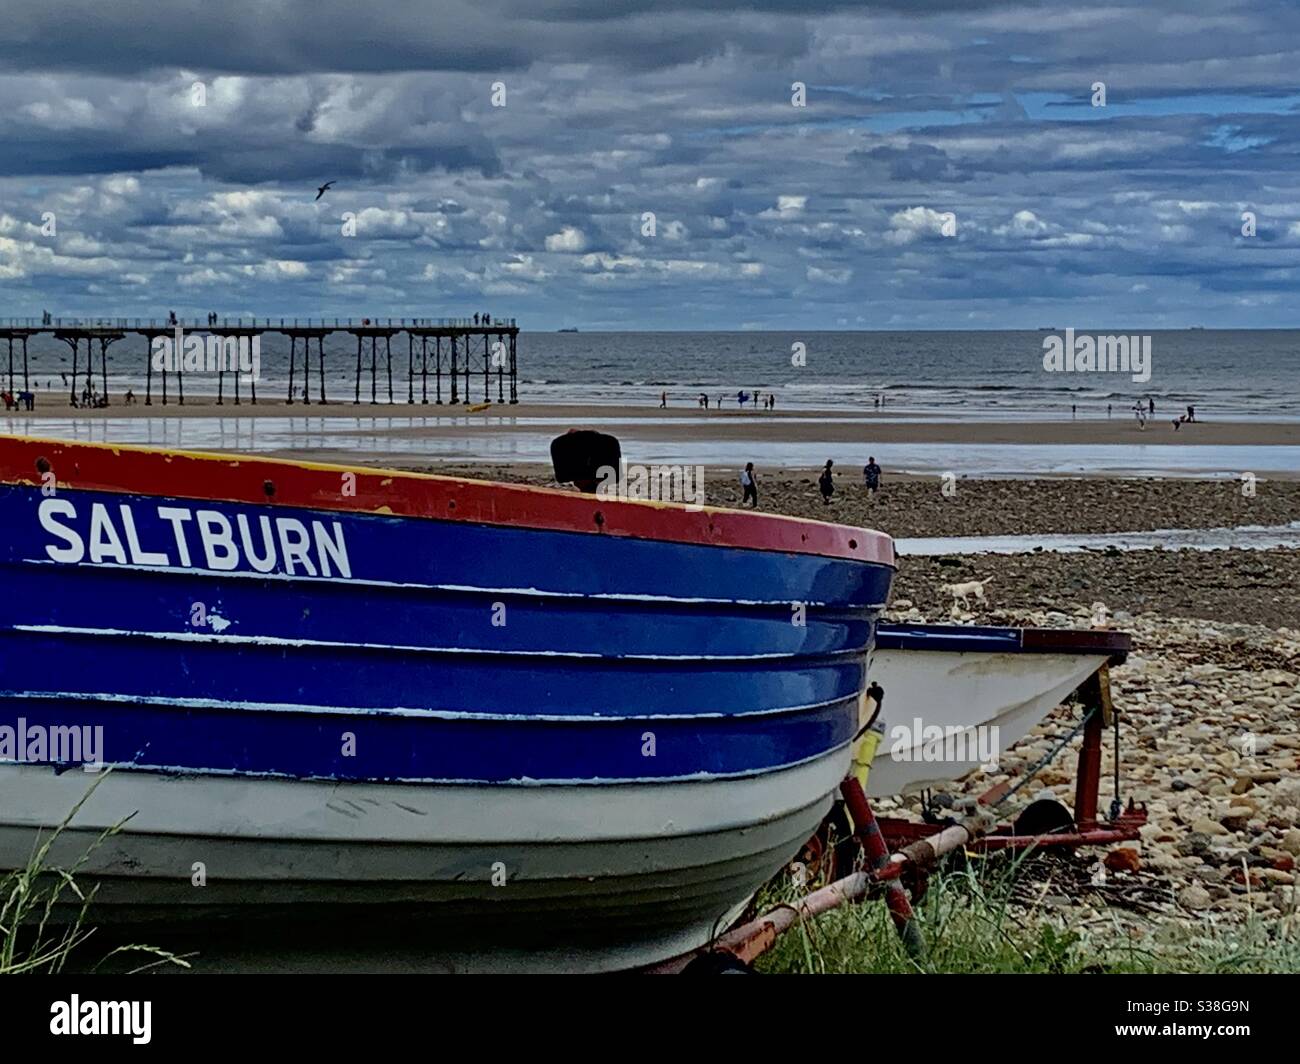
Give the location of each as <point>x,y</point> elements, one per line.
<point>964,590</point>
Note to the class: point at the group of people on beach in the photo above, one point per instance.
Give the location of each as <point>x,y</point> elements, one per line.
<point>18,400</point>
<point>871,476</point>
<point>768,402</point>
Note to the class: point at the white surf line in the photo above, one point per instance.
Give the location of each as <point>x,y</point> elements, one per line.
<point>1244,537</point>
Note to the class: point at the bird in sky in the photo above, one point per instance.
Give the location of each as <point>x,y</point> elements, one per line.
<point>321,191</point>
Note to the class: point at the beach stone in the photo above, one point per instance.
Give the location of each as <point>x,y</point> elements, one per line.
<point>1206,826</point>
<point>1195,897</point>
<point>1291,842</point>
<point>1236,818</point>
<point>1123,859</point>
<point>1194,844</point>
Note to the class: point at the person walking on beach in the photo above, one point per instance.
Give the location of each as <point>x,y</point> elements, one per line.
<point>826,482</point>
<point>871,475</point>
<point>1191,412</point>
<point>749,484</point>
<point>1108,411</point>
<point>663,400</point>
<point>1074,410</point>
<point>1151,406</point>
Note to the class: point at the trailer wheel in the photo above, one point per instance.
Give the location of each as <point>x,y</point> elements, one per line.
<point>1044,817</point>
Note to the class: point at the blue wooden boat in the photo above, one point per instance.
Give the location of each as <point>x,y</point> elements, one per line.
<point>495,726</point>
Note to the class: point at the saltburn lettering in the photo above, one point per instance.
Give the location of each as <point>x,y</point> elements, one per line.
<point>202,539</point>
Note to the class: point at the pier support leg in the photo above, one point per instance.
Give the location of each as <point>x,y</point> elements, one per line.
<point>72,397</point>
<point>104,345</point>
<point>27,386</point>
<point>148,370</point>
<point>357,399</point>
<point>514,372</point>
<point>454,367</point>
<point>410,368</point>
<point>388,361</point>
<point>321,352</point>
<point>424,371</point>
<point>500,355</point>
<point>293,352</point>
<point>11,365</point>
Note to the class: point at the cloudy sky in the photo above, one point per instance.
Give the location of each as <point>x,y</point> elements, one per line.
<point>949,168</point>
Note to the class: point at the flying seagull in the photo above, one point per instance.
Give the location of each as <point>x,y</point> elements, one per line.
<point>321,191</point>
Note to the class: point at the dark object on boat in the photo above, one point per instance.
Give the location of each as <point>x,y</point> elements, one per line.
<point>580,454</point>
<point>1045,817</point>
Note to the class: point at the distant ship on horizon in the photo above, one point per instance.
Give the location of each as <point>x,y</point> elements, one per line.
<point>569,329</point>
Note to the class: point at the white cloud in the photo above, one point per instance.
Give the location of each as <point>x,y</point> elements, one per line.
<point>567,239</point>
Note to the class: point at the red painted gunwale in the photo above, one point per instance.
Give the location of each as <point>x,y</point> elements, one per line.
<point>237,478</point>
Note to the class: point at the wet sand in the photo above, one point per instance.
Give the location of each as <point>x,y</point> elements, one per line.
<point>859,428</point>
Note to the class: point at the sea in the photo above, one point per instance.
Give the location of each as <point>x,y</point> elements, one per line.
<point>977,375</point>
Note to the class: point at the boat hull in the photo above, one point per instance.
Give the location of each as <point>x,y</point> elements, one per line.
<point>453,877</point>
<point>497,728</point>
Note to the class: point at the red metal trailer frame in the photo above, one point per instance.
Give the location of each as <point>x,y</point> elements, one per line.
<point>918,846</point>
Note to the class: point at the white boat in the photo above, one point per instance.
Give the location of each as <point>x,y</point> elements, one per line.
<point>957,697</point>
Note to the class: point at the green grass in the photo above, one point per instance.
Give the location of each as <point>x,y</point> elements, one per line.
<point>976,921</point>
<point>32,940</point>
